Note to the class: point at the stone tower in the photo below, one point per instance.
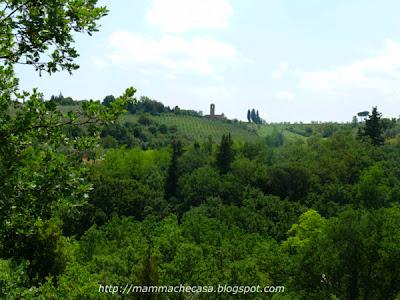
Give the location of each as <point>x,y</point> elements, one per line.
<point>212,110</point>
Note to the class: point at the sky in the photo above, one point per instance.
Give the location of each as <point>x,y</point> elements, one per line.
<point>293,60</point>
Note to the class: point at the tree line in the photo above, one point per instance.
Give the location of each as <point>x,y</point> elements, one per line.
<point>253,116</point>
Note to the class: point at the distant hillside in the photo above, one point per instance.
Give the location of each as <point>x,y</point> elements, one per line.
<point>199,128</point>
<point>194,127</point>
<point>302,131</point>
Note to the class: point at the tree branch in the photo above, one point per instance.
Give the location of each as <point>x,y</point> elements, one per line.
<point>11,13</point>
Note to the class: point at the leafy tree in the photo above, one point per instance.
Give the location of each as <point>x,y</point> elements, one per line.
<point>147,105</point>
<point>292,182</point>
<point>193,158</point>
<point>30,29</point>
<point>275,139</point>
<point>61,100</point>
<point>225,154</point>
<point>349,256</point>
<point>373,190</point>
<point>196,187</point>
<point>301,246</point>
<point>39,182</point>
<point>245,170</point>
<point>145,119</point>
<point>248,116</point>
<point>363,114</point>
<point>108,100</point>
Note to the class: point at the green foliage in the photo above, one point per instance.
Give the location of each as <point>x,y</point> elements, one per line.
<point>373,190</point>
<point>13,276</point>
<point>229,229</point>
<point>199,185</point>
<point>199,129</point>
<point>344,256</point>
<point>61,100</point>
<point>43,179</point>
<point>354,121</point>
<point>276,139</point>
<point>147,275</point>
<point>108,100</point>
<point>172,173</point>
<point>146,105</point>
<point>125,183</point>
<point>291,182</point>
<point>33,28</point>
<point>307,206</point>
<point>193,158</point>
<point>225,154</point>
<point>373,129</point>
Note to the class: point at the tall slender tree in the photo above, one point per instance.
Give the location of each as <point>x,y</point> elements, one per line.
<point>373,129</point>
<point>225,154</point>
<point>172,175</point>
<point>248,116</point>
<point>148,275</point>
<point>253,116</point>
<point>354,121</point>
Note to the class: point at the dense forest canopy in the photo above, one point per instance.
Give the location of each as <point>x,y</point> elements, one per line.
<point>107,193</point>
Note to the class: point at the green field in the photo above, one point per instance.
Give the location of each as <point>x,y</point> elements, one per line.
<point>268,129</point>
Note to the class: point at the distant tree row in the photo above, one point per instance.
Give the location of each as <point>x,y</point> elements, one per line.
<point>61,100</point>
<point>254,116</point>
<point>186,112</point>
<point>143,105</point>
<point>153,107</point>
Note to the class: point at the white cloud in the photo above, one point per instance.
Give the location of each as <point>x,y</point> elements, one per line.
<point>285,95</point>
<point>379,73</point>
<point>217,91</point>
<point>183,15</point>
<point>281,70</point>
<point>99,62</point>
<point>175,54</point>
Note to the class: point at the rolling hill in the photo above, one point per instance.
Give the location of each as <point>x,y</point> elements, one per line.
<point>199,128</point>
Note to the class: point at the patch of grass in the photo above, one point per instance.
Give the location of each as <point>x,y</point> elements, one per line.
<point>268,129</point>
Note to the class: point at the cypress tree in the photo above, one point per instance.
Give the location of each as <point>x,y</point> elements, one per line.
<point>209,145</point>
<point>172,174</point>
<point>148,274</point>
<point>248,116</point>
<point>196,146</point>
<point>225,154</point>
<point>373,129</point>
<point>354,121</point>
